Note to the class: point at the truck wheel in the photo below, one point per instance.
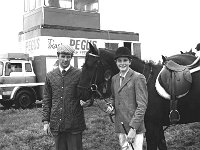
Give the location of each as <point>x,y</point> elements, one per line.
<point>24,99</point>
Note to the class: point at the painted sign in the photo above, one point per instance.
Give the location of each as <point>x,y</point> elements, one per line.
<point>81,46</point>
<point>47,45</point>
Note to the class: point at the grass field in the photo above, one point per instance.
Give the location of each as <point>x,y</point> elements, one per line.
<point>23,130</point>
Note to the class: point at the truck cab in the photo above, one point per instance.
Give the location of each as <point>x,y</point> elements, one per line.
<point>16,74</point>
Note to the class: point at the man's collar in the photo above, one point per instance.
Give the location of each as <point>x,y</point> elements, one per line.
<point>124,73</point>
<point>61,69</point>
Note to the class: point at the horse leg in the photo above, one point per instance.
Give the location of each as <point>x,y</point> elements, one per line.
<point>162,142</point>
<point>152,135</point>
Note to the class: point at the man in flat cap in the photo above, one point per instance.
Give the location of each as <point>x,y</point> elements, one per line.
<point>63,115</point>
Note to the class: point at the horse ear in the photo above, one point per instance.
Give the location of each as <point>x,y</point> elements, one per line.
<point>164,58</point>
<point>90,47</point>
<point>107,74</point>
<point>93,49</point>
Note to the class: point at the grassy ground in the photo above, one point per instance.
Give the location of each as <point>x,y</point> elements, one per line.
<point>23,130</point>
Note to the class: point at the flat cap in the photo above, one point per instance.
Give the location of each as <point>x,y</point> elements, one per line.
<point>65,49</point>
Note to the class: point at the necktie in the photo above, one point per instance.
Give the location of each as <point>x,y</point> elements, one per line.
<point>121,80</point>
<point>64,72</point>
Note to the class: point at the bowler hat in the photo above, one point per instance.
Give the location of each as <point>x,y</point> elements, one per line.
<point>123,52</point>
<point>198,47</point>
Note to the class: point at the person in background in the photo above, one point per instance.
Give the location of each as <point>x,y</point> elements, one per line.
<point>63,114</point>
<point>198,50</point>
<point>130,99</point>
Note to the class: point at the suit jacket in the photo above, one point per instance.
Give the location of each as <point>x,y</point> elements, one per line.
<point>61,106</point>
<point>130,101</point>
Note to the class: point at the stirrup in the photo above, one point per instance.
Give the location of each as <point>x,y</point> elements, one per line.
<point>174,116</point>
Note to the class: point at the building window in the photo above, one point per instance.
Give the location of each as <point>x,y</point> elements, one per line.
<point>111,46</point>
<point>86,5</point>
<point>32,4</point>
<point>1,68</point>
<point>59,3</point>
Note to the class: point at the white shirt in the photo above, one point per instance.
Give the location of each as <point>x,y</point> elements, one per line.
<point>122,77</point>
<point>124,74</point>
<point>61,69</point>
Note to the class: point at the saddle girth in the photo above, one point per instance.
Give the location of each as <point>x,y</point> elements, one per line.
<point>174,115</point>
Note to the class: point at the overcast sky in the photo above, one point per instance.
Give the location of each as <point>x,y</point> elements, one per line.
<point>165,27</point>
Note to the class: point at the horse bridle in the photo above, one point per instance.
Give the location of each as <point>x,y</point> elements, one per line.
<point>93,82</point>
<point>94,86</point>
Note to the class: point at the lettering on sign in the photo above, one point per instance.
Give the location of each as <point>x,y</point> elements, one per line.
<point>32,44</point>
<point>52,44</point>
<point>81,44</point>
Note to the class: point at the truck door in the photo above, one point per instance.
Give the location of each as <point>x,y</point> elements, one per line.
<point>29,74</point>
<point>14,73</point>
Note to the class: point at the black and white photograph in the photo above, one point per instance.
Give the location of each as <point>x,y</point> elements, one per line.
<point>100,75</point>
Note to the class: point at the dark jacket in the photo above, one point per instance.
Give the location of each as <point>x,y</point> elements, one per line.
<point>61,107</point>
<point>130,101</point>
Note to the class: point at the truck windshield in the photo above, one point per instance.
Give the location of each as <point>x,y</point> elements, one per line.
<point>1,68</point>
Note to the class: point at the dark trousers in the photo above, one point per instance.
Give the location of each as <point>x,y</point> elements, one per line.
<point>68,141</point>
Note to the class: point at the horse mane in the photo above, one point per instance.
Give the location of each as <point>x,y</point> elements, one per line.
<point>107,52</point>
<point>183,55</point>
<point>108,56</point>
<point>179,57</point>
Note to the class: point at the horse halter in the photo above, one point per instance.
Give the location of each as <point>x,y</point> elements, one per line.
<point>93,82</point>
<point>93,86</point>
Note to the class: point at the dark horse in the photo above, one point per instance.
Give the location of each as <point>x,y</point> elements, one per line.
<point>100,66</point>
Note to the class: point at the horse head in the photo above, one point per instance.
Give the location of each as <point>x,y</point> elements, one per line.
<point>96,75</point>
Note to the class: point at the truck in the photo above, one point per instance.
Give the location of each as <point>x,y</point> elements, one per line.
<point>22,78</point>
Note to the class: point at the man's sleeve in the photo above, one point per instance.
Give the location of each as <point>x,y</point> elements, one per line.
<point>112,93</point>
<point>47,101</point>
<point>141,100</point>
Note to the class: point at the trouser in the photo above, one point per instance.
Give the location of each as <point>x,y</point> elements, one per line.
<point>68,141</point>
<point>137,144</point>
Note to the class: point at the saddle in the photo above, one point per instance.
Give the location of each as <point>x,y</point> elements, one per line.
<point>176,80</point>
<point>182,78</point>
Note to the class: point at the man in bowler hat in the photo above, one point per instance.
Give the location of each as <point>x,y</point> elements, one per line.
<point>130,98</point>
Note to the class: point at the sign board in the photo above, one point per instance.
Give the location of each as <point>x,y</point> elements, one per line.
<point>47,45</point>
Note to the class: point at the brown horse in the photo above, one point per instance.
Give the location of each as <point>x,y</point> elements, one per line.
<point>100,66</point>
